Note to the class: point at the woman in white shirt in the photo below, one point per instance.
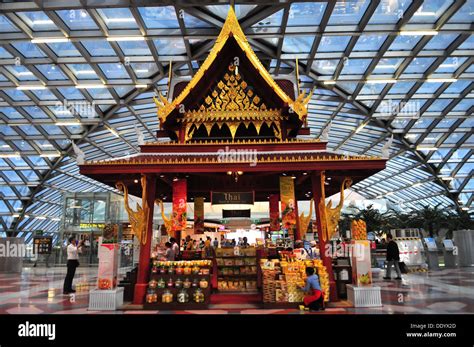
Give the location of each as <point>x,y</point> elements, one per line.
<point>73,250</point>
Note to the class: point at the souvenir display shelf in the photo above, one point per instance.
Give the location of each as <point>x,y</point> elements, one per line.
<point>237,270</point>
<point>205,269</point>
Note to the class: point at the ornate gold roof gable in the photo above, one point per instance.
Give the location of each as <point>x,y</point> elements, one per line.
<point>232,28</point>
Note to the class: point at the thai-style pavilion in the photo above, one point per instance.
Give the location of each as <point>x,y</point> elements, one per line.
<point>232,105</point>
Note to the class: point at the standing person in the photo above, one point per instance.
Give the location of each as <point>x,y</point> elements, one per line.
<point>201,243</point>
<point>169,255</point>
<point>208,247</point>
<point>215,243</point>
<point>393,257</point>
<point>174,247</point>
<point>223,242</point>
<point>73,250</point>
<point>314,298</point>
<point>245,242</point>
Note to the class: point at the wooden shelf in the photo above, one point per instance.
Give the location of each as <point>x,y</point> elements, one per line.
<point>238,256</point>
<point>166,277</point>
<point>237,276</point>
<point>236,265</point>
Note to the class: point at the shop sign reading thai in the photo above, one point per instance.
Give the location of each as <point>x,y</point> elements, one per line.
<point>226,198</point>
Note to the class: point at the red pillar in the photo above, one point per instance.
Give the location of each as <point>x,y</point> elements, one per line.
<point>317,180</point>
<point>145,249</point>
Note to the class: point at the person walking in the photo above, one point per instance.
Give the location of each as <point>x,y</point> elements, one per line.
<point>215,243</point>
<point>393,257</point>
<point>73,250</point>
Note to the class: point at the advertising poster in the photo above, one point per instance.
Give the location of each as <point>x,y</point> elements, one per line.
<point>361,264</point>
<point>108,266</point>
<point>274,212</point>
<point>179,205</point>
<point>199,215</point>
<point>288,213</point>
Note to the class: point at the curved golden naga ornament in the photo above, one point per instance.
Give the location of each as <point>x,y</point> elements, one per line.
<point>334,214</point>
<point>168,221</point>
<point>138,219</point>
<point>162,108</point>
<point>304,221</point>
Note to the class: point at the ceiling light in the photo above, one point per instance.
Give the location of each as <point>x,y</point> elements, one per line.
<point>50,40</point>
<point>447,178</point>
<point>90,86</point>
<point>40,217</point>
<point>50,155</point>
<point>417,184</point>
<point>329,82</point>
<point>425,14</point>
<point>113,131</point>
<point>441,80</point>
<point>422,148</point>
<point>390,80</point>
<point>386,66</point>
<point>125,38</point>
<point>465,208</point>
<point>42,22</point>
<point>305,173</point>
<point>56,219</point>
<point>16,215</point>
<point>67,123</point>
<point>46,145</point>
<point>135,181</point>
<point>31,87</point>
<point>141,85</point>
<point>175,179</point>
<point>24,73</point>
<point>85,72</point>
<point>120,20</point>
<point>420,32</point>
<point>359,128</point>
<point>229,173</point>
<point>141,70</point>
<point>5,146</point>
<point>10,155</point>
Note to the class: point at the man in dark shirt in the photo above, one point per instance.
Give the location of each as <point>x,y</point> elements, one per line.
<point>393,257</point>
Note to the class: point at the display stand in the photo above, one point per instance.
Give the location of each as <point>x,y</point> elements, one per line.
<point>105,300</point>
<point>236,270</point>
<point>361,293</point>
<point>169,279</point>
<point>364,296</point>
<point>449,257</point>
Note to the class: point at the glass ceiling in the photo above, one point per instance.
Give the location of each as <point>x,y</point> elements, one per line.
<point>398,68</point>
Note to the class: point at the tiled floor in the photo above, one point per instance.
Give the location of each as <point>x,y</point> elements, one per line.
<point>39,290</point>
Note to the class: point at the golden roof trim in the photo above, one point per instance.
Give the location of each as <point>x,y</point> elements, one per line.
<point>231,28</point>
<point>240,142</point>
<point>211,160</point>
